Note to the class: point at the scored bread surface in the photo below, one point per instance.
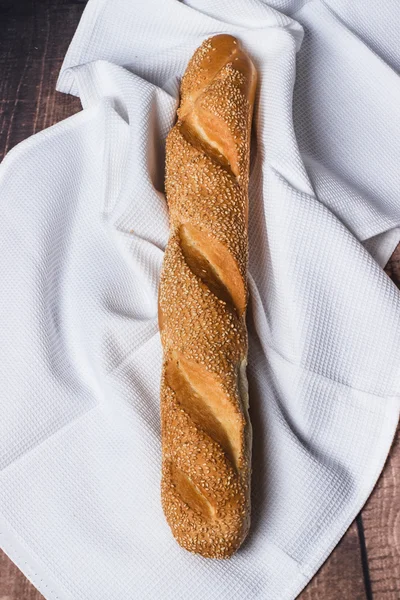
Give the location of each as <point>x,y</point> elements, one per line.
<point>206,433</point>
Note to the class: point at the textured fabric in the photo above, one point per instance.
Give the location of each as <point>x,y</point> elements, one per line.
<point>84,224</point>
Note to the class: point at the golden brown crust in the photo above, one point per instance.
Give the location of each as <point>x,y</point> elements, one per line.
<point>206,433</point>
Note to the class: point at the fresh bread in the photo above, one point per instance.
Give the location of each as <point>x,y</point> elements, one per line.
<point>206,433</point>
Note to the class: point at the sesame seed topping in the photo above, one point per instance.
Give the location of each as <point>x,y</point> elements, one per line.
<point>205,497</point>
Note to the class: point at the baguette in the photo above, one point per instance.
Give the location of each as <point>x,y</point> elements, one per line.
<point>206,432</point>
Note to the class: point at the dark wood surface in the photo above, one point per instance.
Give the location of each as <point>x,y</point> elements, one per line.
<point>34,36</point>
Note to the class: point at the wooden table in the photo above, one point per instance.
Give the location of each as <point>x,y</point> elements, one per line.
<point>34,36</point>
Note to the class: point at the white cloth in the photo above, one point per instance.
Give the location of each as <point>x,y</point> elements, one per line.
<point>84,224</point>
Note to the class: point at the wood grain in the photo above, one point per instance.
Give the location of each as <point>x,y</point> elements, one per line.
<point>393,266</point>
<point>13,585</point>
<point>381,517</point>
<point>34,36</point>
<point>341,577</point>
<point>31,54</point>
<point>381,514</point>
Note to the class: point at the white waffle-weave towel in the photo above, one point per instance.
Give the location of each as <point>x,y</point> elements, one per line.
<point>84,224</point>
